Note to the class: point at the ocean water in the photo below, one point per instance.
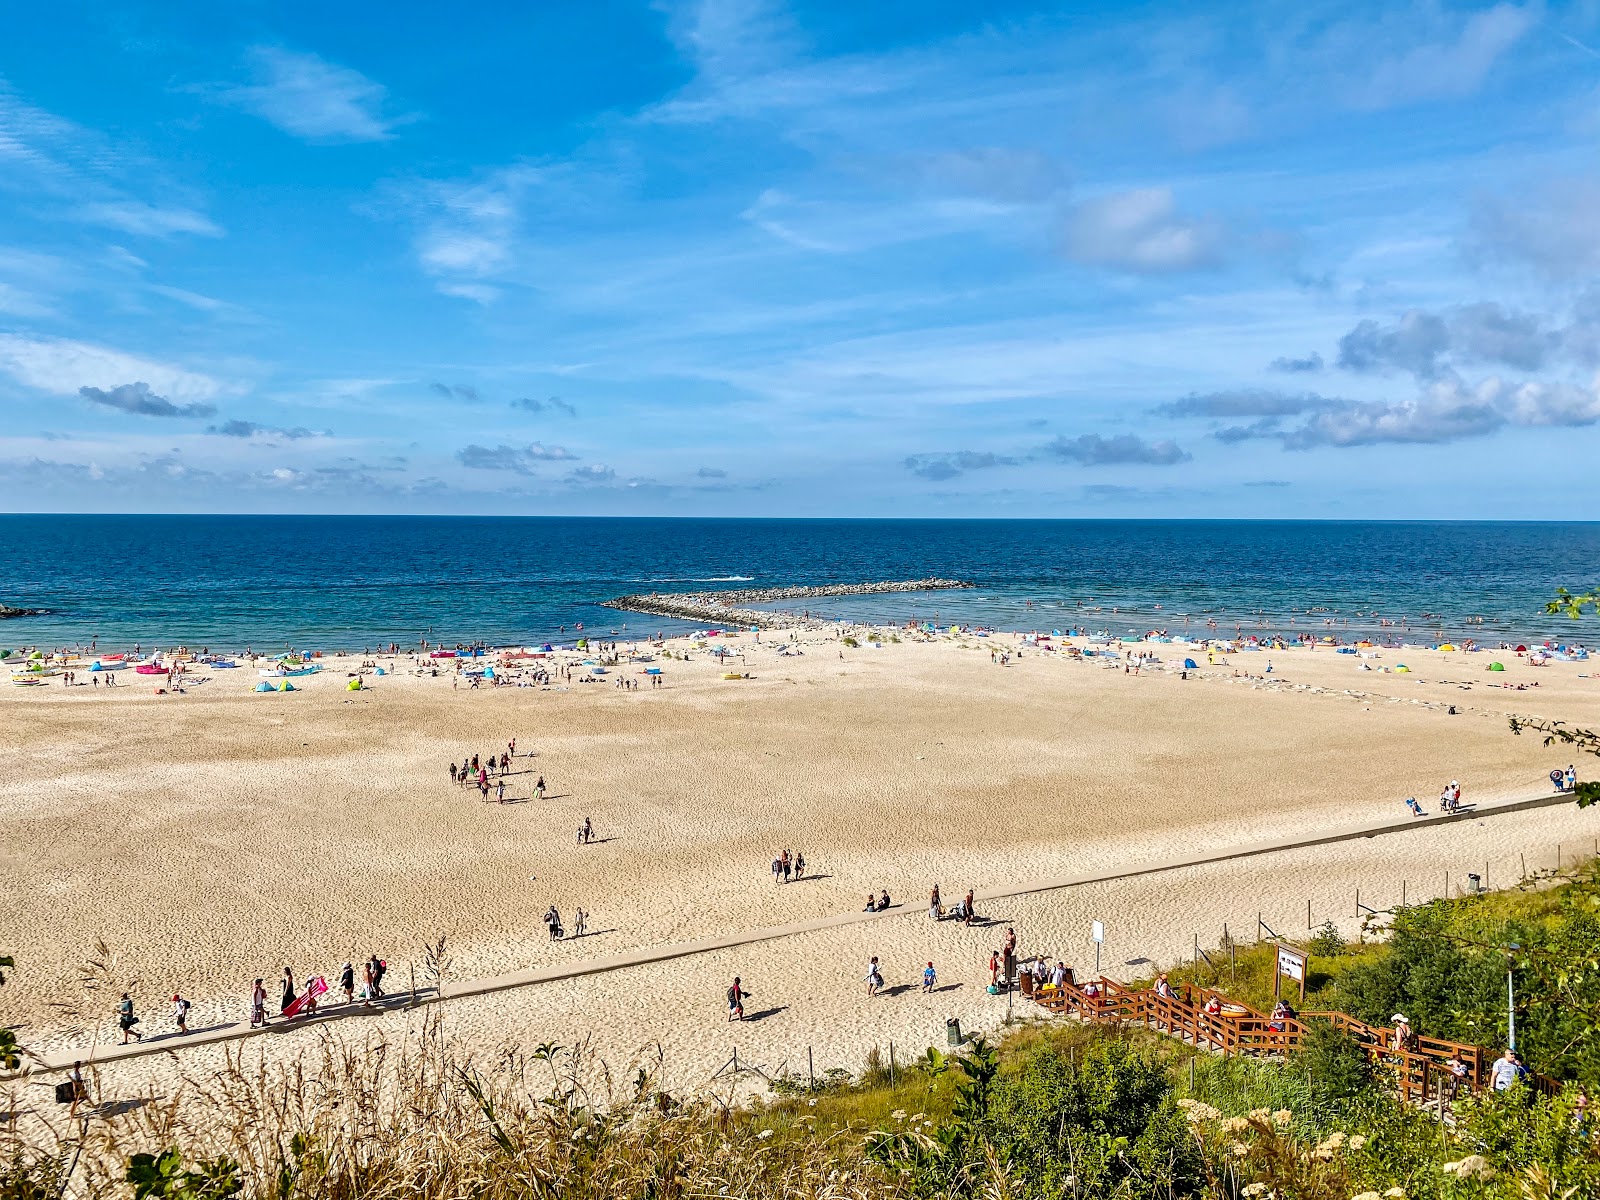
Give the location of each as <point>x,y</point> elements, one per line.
<point>350,582</point>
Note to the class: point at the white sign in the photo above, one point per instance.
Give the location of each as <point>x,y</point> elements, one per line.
<point>1291,963</point>
<point>1097,932</point>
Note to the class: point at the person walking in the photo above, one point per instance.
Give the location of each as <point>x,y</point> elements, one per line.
<point>538,789</point>
<point>929,978</point>
<point>580,923</point>
<point>347,982</point>
<point>258,1004</point>
<point>126,1020</point>
<point>180,1012</point>
<point>799,867</point>
<point>874,978</point>
<point>287,996</point>
<point>736,998</point>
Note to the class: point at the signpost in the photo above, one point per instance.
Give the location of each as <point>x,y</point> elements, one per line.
<point>1291,962</point>
<point>1097,930</point>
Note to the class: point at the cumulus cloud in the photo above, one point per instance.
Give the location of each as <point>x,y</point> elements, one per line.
<point>249,429</point>
<point>137,398</point>
<point>1448,409</point>
<point>1430,345</point>
<point>592,474</point>
<point>1297,366</point>
<point>520,459</point>
<point>550,403</point>
<point>1092,450</point>
<point>954,463</point>
<point>1141,231</point>
<point>1414,345</point>
<point>311,98</point>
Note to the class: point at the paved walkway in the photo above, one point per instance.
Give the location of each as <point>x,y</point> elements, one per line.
<point>655,954</point>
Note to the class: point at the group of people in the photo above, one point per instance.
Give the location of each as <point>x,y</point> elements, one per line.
<point>479,772</point>
<point>879,903</point>
<point>788,867</point>
<point>962,911</point>
<point>1449,800</point>
<point>557,931</point>
<point>293,1001</point>
<point>1565,781</point>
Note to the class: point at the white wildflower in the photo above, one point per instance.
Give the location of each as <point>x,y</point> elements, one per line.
<point>764,1134</point>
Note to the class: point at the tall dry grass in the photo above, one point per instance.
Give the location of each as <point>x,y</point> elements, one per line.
<point>422,1119</point>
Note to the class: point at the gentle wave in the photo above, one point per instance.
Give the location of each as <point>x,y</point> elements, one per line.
<point>701,579</point>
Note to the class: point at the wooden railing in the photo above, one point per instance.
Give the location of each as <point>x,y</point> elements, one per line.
<point>1418,1070</point>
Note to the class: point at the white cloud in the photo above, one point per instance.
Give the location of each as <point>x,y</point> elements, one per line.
<point>1143,232</point>
<point>1555,229</point>
<point>148,220</point>
<point>61,367</point>
<point>314,99</point>
<point>1448,68</point>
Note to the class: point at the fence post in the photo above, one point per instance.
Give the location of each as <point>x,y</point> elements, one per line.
<point>1402,893</point>
<point>811,1069</point>
<point>1358,904</point>
<point>891,1066</point>
<point>1524,860</point>
<point>1308,912</point>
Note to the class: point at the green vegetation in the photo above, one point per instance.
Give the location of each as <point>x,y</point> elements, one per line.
<point>1444,964</point>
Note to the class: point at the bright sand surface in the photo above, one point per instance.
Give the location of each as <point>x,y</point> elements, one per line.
<point>219,835</point>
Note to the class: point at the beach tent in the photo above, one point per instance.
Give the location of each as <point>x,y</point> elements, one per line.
<point>652,670</point>
<point>354,685</point>
<point>381,671</point>
<point>286,686</point>
<point>1402,669</point>
<point>1447,646</point>
<point>264,686</point>
<point>1190,665</point>
<point>1494,666</point>
<point>1522,649</point>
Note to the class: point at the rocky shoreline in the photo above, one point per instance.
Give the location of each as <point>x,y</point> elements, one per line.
<point>721,608</point>
<point>7,611</point>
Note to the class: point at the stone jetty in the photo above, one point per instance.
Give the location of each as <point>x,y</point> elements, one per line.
<point>722,608</point>
<point>7,611</point>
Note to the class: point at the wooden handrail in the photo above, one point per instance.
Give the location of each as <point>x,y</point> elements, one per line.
<point>1240,1029</point>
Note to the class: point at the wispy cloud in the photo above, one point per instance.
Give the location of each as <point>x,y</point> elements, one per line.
<point>455,391</point>
<point>950,464</point>
<point>311,98</point>
<point>1297,366</point>
<point>266,433</point>
<point>61,367</point>
<point>1451,66</point>
<point>1093,450</point>
<point>548,404</point>
<point>137,398</point>
<point>519,459</point>
<point>594,473</point>
<point>148,220</point>
<point>1142,231</point>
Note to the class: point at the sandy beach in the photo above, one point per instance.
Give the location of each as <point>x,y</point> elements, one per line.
<point>219,835</point>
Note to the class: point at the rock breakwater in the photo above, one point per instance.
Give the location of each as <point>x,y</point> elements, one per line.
<point>722,608</point>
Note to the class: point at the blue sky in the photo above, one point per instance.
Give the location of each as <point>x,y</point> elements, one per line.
<point>740,257</point>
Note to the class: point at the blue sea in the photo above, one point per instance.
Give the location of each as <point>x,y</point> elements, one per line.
<point>351,582</point>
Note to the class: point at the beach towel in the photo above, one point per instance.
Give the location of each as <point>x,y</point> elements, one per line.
<point>315,987</point>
